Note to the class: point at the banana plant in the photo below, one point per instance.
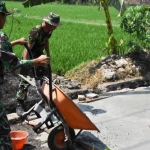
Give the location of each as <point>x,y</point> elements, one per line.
<point>120,6</point>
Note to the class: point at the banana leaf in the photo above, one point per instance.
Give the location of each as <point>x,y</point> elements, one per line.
<point>118,4</point>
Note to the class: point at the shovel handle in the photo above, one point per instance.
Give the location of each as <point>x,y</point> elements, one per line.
<point>49,71</point>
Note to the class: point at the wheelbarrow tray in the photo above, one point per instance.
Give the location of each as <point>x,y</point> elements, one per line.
<point>74,117</point>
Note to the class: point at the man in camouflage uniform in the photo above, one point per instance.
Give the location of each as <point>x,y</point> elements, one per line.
<point>37,43</point>
<point>14,64</point>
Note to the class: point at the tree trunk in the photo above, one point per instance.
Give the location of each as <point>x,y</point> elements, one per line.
<point>109,26</point>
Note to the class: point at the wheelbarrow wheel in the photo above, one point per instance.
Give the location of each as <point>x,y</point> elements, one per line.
<point>56,138</point>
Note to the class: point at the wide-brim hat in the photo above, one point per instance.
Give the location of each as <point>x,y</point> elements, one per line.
<point>3,9</point>
<point>52,19</point>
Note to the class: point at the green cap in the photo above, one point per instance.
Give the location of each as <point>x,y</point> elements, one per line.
<point>52,19</point>
<point>3,8</point>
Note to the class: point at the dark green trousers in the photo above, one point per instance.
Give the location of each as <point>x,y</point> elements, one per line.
<point>5,141</point>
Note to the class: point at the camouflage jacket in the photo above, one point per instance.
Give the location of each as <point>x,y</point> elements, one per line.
<point>38,37</point>
<point>10,61</point>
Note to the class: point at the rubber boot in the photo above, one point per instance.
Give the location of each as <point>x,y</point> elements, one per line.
<point>20,108</point>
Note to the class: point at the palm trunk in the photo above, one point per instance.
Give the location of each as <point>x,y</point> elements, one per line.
<point>109,26</point>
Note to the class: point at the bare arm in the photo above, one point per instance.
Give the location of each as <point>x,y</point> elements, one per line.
<point>20,41</point>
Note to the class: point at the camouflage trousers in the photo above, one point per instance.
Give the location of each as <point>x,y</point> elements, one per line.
<point>21,95</point>
<point>5,141</point>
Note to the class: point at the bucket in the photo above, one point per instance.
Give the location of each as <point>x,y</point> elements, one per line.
<point>18,138</point>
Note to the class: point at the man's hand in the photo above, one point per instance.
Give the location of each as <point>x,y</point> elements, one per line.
<point>41,60</point>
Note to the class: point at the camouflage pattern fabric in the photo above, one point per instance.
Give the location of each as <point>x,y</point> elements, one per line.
<point>23,86</point>
<point>38,37</point>
<point>5,141</point>
<point>10,60</point>
<point>22,92</point>
<point>12,63</point>
<point>5,44</point>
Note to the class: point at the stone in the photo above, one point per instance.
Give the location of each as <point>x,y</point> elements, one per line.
<point>81,97</point>
<point>91,95</point>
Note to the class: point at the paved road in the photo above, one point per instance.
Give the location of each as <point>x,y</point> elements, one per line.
<point>124,121</point>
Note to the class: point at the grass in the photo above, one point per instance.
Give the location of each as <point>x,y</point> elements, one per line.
<point>81,38</point>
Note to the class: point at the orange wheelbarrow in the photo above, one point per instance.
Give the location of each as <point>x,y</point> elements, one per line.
<point>71,116</point>
<point>64,116</point>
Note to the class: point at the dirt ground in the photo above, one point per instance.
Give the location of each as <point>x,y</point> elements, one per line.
<point>34,144</point>
<point>7,94</point>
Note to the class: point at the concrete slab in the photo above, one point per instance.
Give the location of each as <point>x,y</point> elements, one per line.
<point>124,120</point>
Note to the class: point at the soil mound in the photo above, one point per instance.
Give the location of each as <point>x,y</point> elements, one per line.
<point>113,68</point>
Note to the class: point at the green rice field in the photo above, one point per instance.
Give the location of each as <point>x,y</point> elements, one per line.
<point>81,38</point>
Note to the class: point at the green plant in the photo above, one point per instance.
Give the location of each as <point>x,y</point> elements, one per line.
<point>119,46</point>
<point>136,23</point>
<point>120,6</point>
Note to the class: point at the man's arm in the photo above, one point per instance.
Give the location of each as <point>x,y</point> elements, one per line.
<point>14,64</point>
<point>20,41</point>
<point>41,61</point>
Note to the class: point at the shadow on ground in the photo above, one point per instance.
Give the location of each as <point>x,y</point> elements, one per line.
<point>87,141</point>
<point>87,108</point>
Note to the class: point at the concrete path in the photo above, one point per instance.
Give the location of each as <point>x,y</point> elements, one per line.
<point>124,122</point>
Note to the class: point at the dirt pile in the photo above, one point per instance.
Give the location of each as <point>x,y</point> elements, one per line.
<point>113,68</point>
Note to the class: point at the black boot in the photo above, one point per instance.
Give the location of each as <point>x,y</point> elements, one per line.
<point>20,108</point>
